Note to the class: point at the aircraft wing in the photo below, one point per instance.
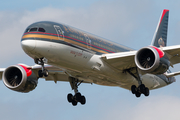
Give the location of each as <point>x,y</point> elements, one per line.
<point>125,60</point>
<point>120,61</point>
<point>173,53</point>
<point>1,72</point>
<point>55,74</point>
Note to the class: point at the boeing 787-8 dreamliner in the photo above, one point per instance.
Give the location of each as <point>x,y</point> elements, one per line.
<point>64,53</point>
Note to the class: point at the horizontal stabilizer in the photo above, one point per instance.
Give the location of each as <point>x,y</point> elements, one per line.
<point>171,74</point>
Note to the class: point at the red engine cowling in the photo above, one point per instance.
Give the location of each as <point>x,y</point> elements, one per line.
<point>19,78</point>
<point>152,60</point>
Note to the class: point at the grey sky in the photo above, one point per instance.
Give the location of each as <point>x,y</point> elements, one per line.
<point>130,23</point>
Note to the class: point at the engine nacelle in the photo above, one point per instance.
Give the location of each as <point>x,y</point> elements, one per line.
<point>19,78</point>
<point>152,60</point>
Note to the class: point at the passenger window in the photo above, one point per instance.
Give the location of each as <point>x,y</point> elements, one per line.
<point>41,30</point>
<point>33,30</point>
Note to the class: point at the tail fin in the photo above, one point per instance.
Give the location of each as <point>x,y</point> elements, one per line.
<point>160,35</point>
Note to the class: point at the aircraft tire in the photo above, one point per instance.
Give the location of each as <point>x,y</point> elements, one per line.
<point>133,89</point>
<point>74,103</point>
<point>142,88</point>
<point>78,97</point>
<point>70,98</point>
<point>138,94</point>
<point>45,73</point>
<point>83,100</point>
<point>146,93</point>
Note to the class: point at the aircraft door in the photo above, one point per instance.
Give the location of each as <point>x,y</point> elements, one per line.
<point>88,41</point>
<point>60,32</point>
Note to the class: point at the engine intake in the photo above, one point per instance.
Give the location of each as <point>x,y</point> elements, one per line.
<point>151,60</point>
<point>19,78</point>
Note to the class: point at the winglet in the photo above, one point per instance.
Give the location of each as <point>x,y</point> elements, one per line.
<point>160,35</point>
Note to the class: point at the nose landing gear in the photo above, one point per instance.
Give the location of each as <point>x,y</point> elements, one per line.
<point>43,72</point>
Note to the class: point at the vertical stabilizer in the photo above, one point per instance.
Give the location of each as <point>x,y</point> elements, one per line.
<point>160,35</point>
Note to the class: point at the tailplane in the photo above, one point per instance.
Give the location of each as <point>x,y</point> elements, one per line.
<point>160,35</point>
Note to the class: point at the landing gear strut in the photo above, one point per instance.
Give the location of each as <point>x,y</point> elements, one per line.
<point>141,89</point>
<point>74,99</point>
<point>43,71</point>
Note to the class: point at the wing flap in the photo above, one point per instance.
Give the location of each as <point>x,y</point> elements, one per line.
<point>55,73</point>
<point>57,76</point>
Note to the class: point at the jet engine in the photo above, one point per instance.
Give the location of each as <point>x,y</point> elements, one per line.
<point>152,60</point>
<point>20,78</point>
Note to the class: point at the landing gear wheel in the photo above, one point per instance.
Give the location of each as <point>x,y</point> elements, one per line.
<point>138,94</point>
<point>133,89</point>
<point>74,82</point>
<point>83,100</point>
<point>78,96</point>
<point>142,88</point>
<point>45,72</point>
<point>146,93</point>
<point>70,98</point>
<point>74,103</point>
<point>40,73</point>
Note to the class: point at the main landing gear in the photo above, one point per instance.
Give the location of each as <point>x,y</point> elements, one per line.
<point>74,99</point>
<point>43,71</point>
<point>141,89</point>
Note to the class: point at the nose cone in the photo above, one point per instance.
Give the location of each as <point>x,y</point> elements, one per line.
<point>28,45</point>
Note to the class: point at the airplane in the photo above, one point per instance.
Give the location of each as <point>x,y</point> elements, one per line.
<point>64,53</point>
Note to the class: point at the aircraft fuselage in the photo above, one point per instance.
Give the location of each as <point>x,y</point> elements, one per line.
<point>79,53</point>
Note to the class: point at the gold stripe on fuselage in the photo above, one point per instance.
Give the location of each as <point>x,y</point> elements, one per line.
<point>40,36</point>
<point>58,38</point>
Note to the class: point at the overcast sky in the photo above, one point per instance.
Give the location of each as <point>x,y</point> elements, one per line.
<point>126,22</point>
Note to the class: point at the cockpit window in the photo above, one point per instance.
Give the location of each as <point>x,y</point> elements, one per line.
<point>41,30</point>
<point>33,30</point>
<point>27,30</point>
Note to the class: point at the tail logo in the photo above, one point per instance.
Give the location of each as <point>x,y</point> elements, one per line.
<point>161,42</point>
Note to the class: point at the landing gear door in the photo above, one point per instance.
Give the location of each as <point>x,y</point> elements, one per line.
<point>60,32</point>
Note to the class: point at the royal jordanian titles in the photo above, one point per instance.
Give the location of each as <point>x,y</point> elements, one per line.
<point>64,53</point>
